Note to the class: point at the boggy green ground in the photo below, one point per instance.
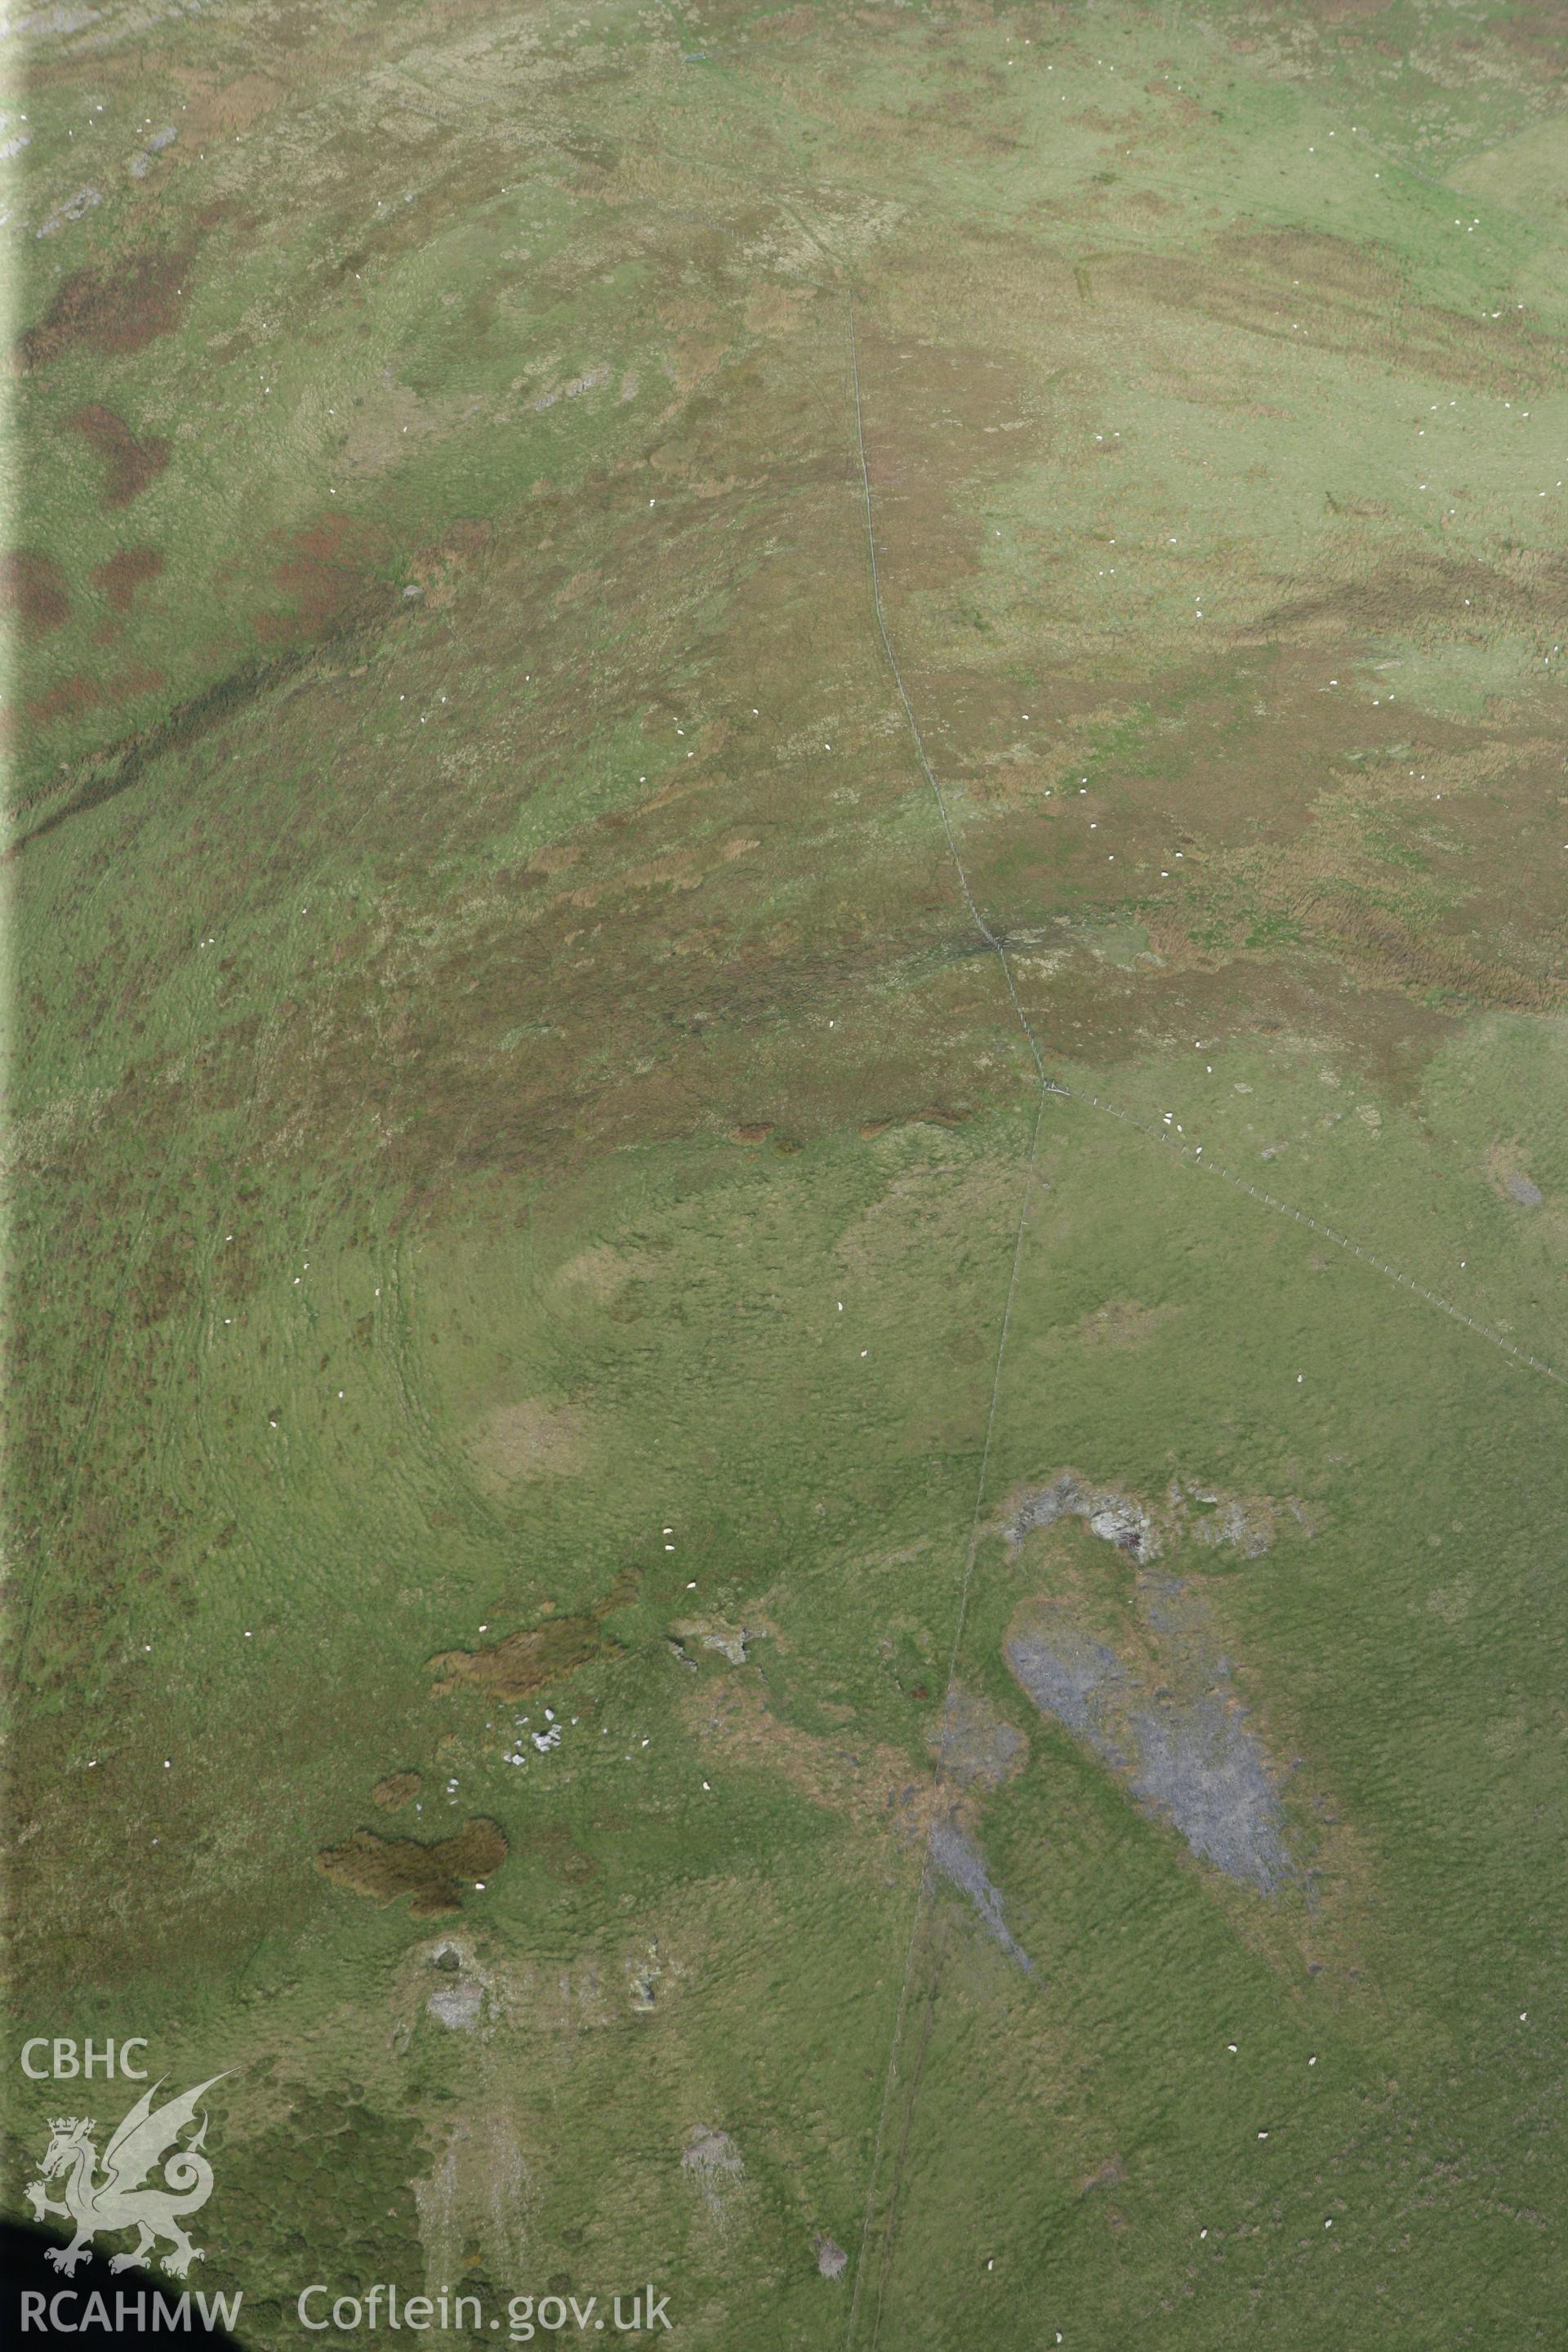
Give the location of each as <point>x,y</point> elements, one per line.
<point>516,1134</point>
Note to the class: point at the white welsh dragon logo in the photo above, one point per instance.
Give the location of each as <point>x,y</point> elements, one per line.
<point>122,2198</point>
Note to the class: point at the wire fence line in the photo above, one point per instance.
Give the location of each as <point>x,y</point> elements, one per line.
<point>1193,1153</point>
<point>922,1898</point>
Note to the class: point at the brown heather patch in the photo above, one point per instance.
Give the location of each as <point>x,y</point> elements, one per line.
<point>434,1877</point>
<point>1416,591</point>
<point>132,463</point>
<point>1239,750</point>
<point>75,696</point>
<point>1303,816</point>
<point>522,1663</point>
<point>707,972</point>
<point>328,574</point>
<point>788,24</point>
<point>1260,282</point>
<point>1535,32</point>
<point>1407,952</point>
<point>928,414</point>
<point>126,570</point>
<point>214,106</point>
<point>1456,896</point>
<point>112,309</point>
<point>686,1028</point>
<point>397,1789</point>
<point>33,587</point>
<point>1091,1011</point>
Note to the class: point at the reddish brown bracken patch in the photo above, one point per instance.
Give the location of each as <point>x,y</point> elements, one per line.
<point>436,1876</point>
<point>328,575</point>
<point>114,309</point>
<point>522,1663</point>
<point>1535,33</point>
<point>75,696</point>
<point>132,463</point>
<point>33,587</point>
<point>130,568</point>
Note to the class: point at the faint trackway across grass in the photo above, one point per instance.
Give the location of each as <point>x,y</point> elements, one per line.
<point>1048,1086</point>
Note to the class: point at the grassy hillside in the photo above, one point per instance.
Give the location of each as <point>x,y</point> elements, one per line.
<point>534,1213</point>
